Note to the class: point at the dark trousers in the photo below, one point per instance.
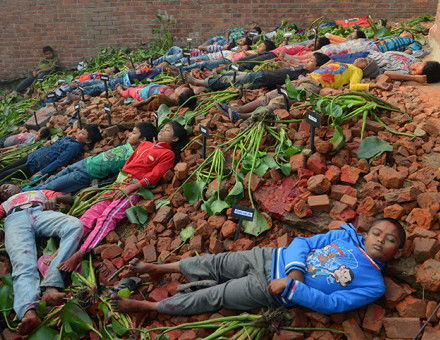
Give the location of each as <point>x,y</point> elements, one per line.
<point>29,81</point>
<point>20,168</point>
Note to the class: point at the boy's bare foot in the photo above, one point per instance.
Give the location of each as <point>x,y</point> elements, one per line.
<point>53,297</point>
<point>123,305</point>
<point>72,262</point>
<point>193,81</point>
<point>140,267</point>
<point>29,322</point>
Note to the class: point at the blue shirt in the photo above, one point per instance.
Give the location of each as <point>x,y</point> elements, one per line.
<point>401,44</point>
<point>49,158</point>
<point>339,275</point>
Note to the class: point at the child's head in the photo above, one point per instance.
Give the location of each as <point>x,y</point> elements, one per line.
<point>321,42</point>
<point>8,190</point>
<point>90,134</point>
<point>174,134</point>
<point>183,94</point>
<point>245,41</point>
<point>141,132</point>
<point>357,34</point>
<point>384,239</point>
<point>368,66</point>
<point>317,60</point>
<point>48,52</point>
<point>429,68</point>
<point>257,30</point>
<point>43,133</point>
<point>406,34</point>
<point>266,45</point>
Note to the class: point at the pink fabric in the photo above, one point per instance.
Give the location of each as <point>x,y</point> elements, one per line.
<point>43,267</point>
<point>102,218</point>
<point>132,92</point>
<point>292,50</point>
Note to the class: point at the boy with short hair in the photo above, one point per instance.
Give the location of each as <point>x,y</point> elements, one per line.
<point>328,273</point>
<point>46,66</point>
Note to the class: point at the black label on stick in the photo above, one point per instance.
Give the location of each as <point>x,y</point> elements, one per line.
<point>104,77</point>
<point>51,95</point>
<point>235,67</point>
<point>243,213</point>
<point>204,130</point>
<point>313,118</point>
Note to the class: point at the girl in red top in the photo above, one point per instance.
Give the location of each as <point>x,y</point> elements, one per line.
<point>145,167</point>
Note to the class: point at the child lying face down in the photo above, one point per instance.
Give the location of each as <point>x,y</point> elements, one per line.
<point>328,273</point>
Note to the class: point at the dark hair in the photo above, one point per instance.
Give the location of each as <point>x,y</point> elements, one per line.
<point>321,58</point>
<point>248,41</point>
<point>270,45</point>
<point>48,49</point>
<point>360,34</point>
<point>93,133</point>
<point>179,132</point>
<point>258,29</point>
<point>322,42</point>
<point>400,229</point>
<point>186,100</point>
<point>44,133</point>
<point>432,71</point>
<point>148,130</point>
<point>2,198</point>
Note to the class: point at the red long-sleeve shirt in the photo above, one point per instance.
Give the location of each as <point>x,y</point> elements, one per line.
<point>149,162</point>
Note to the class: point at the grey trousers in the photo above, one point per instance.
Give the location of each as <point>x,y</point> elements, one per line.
<point>243,279</point>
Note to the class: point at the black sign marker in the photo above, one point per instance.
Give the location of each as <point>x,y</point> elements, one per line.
<point>36,120</point>
<point>287,37</point>
<point>242,213</point>
<point>61,81</point>
<point>107,110</point>
<point>105,78</point>
<point>283,92</point>
<point>314,119</point>
<point>82,93</point>
<point>205,134</point>
<point>179,66</point>
<point>235,68</point>
<point>187,55</point>
<point>156,118</point>
<point>78,114</point>
<point>189,40</point>
<point>51,95</point>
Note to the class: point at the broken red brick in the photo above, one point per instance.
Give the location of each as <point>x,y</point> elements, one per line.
<point>228,229</point>
<point>349,174</point>
<point>319,203</point>
<point>318,184</point>
<point>297,162</point>
<point>349,200</point>
<point>317,163</point>
<point>401,327</point>
<point>412,307</point>
<point>158,294</point>
<point>390,178</point>
<point>395,211</point>
<point>302,209</point>
<point>421,217</point>
<point>333,173</point>
<point>149,252</point>
<point>181,170</point>
<point>354,332</point>
<point>425,248</point>
<point>373,318</point>
<point>428,275</point>
<point>111,252</point>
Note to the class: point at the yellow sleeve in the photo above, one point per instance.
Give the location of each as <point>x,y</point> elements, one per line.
<point>355,80</point>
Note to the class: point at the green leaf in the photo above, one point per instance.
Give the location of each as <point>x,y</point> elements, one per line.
<point>51,247</point>
<point>72,315</point>
<point>118,327</point>
<point>161,203</point>
<point>373,146</point>
<point>236,193</point>
<point>286,169</point>
<point>293,150</point>
<point>43,333</point>
<point>187,233</point>
<point>193,191</point>
<point>270,162</point>
<point>218,206</point>
<point>338,139</point>
<point>105,310</point>
<point>145,193</point>
<point>163,112</point>
<point>125,293</point>
<point>137,215</point>
<point>336,111</point>
<point>258,225</point>
<point>6,298</point>
<point>261,169</point>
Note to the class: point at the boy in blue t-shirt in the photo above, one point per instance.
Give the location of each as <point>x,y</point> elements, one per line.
<point>328,273</point>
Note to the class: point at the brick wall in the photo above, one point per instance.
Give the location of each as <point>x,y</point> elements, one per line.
<point>78,28</point>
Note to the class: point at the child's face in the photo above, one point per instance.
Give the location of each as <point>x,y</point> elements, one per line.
<point>310,64</point>
<point>8,190</point>
<point>166,134</point>
<point>416,69</point>
<point>82,136</point>
<point>382,241</point>
<point>135,136</point>
<point>261,48</point>
<point>48,55</point>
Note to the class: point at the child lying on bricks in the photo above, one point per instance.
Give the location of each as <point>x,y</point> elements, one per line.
<point>329,273</point>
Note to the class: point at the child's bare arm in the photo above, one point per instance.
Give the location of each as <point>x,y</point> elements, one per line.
<point>399,76</point>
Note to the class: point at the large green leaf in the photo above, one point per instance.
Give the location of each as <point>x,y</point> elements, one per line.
<point>77,319</point>
<point>118,327</point>
<point>43,333</point>
<point>236,193</point>
<point>338,139</point>
<point>137,215</point>
<point>161,203</point>
<point>373,146</point>
<point>218,206</point>
<point>145,193</point>
<point>193,191</point>
<point>187,233</point>
<point>286,169</point>
<point>51,247</point>
<point>163,112</point>
<point>293,150</point>
<point>125,293</point>
<point>6,294</point>
<point>258,225</point>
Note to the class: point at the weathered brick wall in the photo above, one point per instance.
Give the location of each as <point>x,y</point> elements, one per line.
<point>78,28</point>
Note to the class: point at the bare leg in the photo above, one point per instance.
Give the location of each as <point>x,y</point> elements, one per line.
<point>193,81</point>
<point>53,297</point>
<point>153,269</point>
<point>123,305</point>
<point>72,262</point>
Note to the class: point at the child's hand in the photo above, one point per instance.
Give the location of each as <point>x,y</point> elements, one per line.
<point>277,286</point>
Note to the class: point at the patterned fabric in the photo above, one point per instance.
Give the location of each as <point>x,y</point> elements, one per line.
<point>393,61</point>
<point>28,197</point>
<point>350,46</point>
<point>334,75</point>
<point>397,44</point>
<point>143,92</point>
<point>108,162</point>
<point>19,139</point>
<point>236,33</point>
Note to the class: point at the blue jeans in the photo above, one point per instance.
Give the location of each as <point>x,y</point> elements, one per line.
<point>21,230</point>
<point>212,64</point>
<point>173,55</point>
<point>252,80</point>
<point>70,179</point>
